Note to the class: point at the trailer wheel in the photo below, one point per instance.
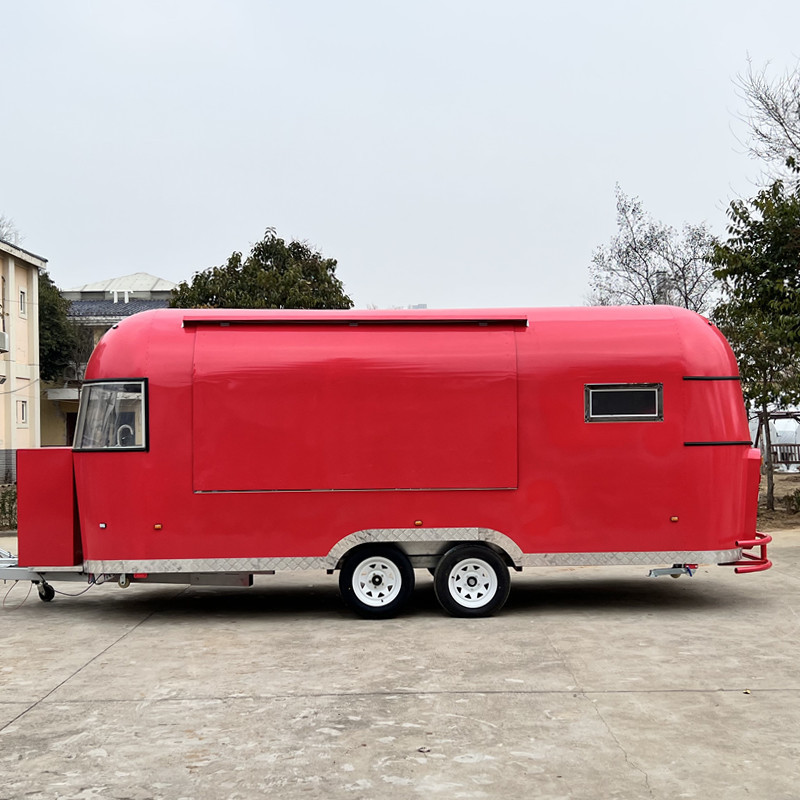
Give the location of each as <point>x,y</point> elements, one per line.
<point>471,581</point>
<point>46,592</point>
<point>376,581</point>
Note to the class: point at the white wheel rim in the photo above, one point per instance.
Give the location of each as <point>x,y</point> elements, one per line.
<point>472,583</point>
<point>377,581</point>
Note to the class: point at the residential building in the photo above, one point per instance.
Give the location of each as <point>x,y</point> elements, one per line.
<point>100,305</point>
<point>19,354</point>
<point>97,306</point>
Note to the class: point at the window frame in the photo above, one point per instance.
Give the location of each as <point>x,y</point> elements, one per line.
<point>80,421</point>
<point>591,388</point>
<point>23,303</point>
<point>22,413</point>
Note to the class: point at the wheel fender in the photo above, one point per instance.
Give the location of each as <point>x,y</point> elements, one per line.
<point>401,535</point>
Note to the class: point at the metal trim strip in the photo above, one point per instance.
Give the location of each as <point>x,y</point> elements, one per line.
<point>712,377</point>
<point>718,444</point>
<point>478,321</point>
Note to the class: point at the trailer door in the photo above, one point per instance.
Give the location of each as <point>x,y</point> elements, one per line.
<point>357,406</point>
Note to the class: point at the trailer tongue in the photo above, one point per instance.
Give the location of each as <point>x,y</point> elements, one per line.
<point>10,571</point>
<point>41,577</point>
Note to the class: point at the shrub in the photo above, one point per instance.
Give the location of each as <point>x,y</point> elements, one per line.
<point>792,502</point>
<point>8,507</point>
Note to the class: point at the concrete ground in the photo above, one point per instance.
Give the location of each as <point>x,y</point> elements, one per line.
<point>592,683</point>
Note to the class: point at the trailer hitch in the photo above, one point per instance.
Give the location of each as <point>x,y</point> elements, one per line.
<point>752,562</point>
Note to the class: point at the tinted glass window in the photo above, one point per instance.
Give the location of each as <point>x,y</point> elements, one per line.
<point>624,402</point>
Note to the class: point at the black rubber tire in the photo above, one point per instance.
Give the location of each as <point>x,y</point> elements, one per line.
<point>471,580</point>
<point>46,592</point>
<point>376,581</point>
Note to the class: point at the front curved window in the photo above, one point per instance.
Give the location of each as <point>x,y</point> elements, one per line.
<point>112,416</point>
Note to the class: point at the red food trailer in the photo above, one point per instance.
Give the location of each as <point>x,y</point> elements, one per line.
<point>214,445</point>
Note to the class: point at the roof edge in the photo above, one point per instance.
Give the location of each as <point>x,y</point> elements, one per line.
<point>15,250</point>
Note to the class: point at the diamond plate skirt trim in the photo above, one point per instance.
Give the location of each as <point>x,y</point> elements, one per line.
<point>157,565</point>
<point>622,559</point>
<point>519,559</point>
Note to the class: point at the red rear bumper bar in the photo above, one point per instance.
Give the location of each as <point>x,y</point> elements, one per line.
<point>752,562</point>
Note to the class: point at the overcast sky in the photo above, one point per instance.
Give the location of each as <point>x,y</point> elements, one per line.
<point>459,154</point>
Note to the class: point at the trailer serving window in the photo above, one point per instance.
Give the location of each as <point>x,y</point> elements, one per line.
<point>624,402</point>
<point>112,416</point>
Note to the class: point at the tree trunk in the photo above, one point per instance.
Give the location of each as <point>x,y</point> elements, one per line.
<point>768,466</point>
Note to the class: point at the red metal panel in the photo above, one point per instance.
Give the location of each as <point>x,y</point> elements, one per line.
<point>618,486</point>
<point>46,509</point>
<point>361,407</point>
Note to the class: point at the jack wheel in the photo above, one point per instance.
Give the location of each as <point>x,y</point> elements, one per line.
<point>46,592</point>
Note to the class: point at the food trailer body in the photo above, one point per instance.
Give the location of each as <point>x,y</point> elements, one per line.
<point>213,445</point>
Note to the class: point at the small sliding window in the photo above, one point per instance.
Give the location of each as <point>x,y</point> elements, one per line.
<point>624,402</point>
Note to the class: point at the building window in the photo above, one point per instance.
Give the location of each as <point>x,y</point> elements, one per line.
<point>23,303</point>
<point>22,412</point>
<point>624,402</point>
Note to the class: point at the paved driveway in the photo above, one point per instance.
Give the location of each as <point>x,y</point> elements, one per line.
<point>592,683</point>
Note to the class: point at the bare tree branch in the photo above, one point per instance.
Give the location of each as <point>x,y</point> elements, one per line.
<point>9,232</point>
<point>650,263</point>
<point>773,117</point>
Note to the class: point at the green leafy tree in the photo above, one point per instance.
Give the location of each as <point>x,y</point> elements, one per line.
<point>760,266</point>
<point>650,263</point>
<point>58,339</point>
<point>760,261</point>
<point>769,367</point>
<point>274,275</point>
